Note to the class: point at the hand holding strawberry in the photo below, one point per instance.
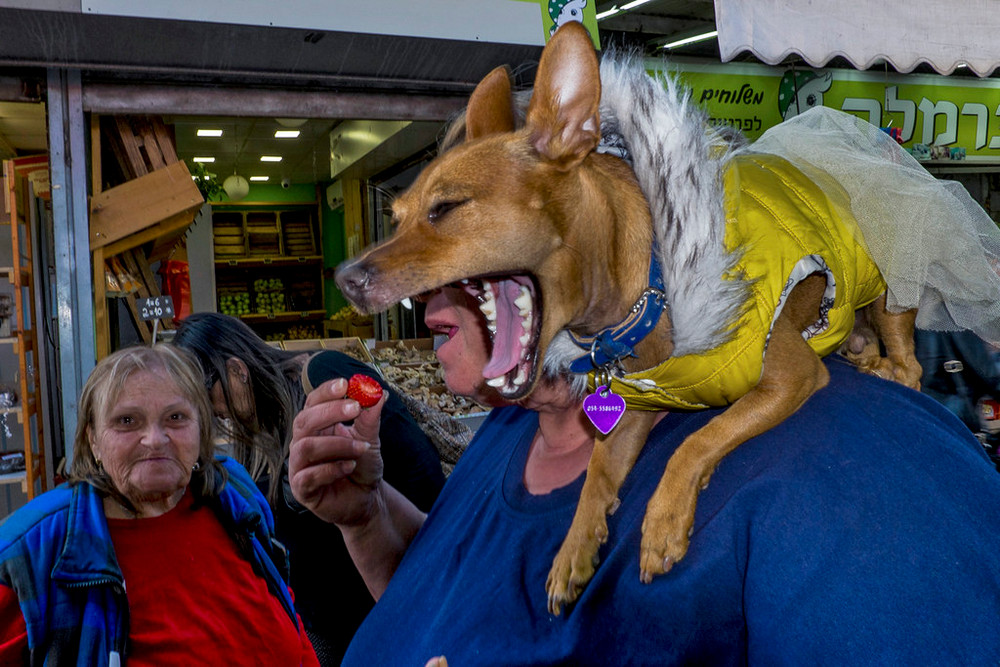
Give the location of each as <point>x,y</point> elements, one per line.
<point>363,389</point>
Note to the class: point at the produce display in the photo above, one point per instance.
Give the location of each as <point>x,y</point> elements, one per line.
<point>234,303</point>
<point>348,313</point>
<point>270,296</point>
<point>302,332</point>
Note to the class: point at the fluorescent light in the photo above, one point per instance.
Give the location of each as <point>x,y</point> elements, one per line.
<point>691,40</point>
<point>615,9</point>
<point>203,159</point>
<point>260,179</point>
<point>209,133</point>
<point>287,134</point>
<point>632,5</point>
<point>270,158</point>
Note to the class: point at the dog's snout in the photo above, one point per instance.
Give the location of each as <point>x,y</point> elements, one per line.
<point>354,280</point>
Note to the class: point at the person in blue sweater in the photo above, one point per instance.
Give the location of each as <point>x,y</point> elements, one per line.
<point>155,551</point>
<point>862,530</point>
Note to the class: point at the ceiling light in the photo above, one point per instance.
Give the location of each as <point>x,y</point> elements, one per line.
<point>209,133</point>
<point>691,40</point>
<point>236,187</point>
<point>203,159</point>
<point>615,9</point>
<point>287,134</point>
<point>632,5</point>
<point>270,158</point>
<point>259,179</point>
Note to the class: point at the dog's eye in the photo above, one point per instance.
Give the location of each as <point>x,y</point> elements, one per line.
<point>441,209</point>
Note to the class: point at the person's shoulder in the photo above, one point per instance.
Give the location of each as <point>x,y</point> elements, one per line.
<point>240,484</point>
<point>46,507</point>
<point>329,364</point>
<point>856,423</point>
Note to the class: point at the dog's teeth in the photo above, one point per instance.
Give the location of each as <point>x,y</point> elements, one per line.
<point>522,376</point>
<point>523,301</point>
<point>492,326</point>
<point>489,308</point>
<point>527,322</point>
<point>525,337</point>
<point>495,382</point>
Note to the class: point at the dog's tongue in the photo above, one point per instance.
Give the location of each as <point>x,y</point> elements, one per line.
<point>506,341</point>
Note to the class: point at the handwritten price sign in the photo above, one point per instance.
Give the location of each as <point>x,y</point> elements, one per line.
<point>155,307</point>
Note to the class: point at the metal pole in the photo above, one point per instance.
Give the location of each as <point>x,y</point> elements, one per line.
<point>74,300</point>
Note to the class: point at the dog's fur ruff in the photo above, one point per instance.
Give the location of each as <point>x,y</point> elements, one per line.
<point>677,159</point>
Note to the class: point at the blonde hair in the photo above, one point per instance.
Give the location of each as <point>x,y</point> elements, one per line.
<point>104,387</point>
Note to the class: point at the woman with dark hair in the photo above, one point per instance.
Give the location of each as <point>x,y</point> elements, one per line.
<point>146,503</point>
<point>256,391</point>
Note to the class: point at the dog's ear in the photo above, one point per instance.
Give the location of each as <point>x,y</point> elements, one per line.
<point>563,115</point>
<point>489,110</point>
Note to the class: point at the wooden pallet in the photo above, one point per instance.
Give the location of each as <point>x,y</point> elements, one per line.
<point>141,220</point>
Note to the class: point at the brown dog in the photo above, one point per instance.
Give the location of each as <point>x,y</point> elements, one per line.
<point>557,239</point>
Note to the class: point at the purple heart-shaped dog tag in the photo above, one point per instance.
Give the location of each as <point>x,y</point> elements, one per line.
<point>604,408</point>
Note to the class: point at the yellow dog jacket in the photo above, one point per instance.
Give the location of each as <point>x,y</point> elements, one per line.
<point>787,227</point>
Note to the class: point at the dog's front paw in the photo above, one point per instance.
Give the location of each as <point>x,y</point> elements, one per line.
<point>666,529</point>
<point>906,372</point>
<point>573,567</point>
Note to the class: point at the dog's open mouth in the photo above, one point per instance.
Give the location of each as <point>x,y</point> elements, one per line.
<point>513,318</point>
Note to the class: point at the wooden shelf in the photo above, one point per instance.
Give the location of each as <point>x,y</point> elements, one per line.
<point>272,255</point>
<point>285,316</point>
<point>277,261</point>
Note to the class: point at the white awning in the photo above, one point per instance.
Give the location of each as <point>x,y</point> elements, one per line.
<point>942,33</point>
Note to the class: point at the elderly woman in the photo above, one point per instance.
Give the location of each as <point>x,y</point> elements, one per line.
<point>154,551</point>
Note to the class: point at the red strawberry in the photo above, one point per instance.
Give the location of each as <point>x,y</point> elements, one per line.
<point>364,390</point>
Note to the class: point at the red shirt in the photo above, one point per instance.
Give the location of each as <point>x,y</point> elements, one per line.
<point>193,599</point>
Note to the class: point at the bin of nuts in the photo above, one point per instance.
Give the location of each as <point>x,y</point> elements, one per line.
<point>413,367</point>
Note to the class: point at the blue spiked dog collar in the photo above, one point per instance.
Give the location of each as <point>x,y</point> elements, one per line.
<point>619,341</point>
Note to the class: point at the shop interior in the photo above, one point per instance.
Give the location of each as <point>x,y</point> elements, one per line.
<point>264,247</point>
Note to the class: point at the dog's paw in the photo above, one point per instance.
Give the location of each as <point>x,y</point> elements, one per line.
<point>906,373</point>
<point>666,530</point>
<point>573,566</point>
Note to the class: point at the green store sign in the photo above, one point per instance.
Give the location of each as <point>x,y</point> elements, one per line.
<point>953,112</point>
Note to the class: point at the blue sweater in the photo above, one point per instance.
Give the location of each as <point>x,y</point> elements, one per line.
<point>56,553</point>
<point>865,529</point>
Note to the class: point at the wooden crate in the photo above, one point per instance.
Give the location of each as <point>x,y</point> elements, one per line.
<point>297,233</point>
<point>156,207</point>
<point>303,344</point>
<point>228,235</point>
<point>351,346</point>
<point>263,234</point>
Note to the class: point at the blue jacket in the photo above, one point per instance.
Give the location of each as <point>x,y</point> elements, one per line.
<point>59,545</point>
